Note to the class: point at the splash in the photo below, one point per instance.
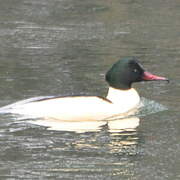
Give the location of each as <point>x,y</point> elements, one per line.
<point>149,107</point>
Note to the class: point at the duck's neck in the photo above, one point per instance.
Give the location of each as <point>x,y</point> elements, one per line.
<point>118,96</point>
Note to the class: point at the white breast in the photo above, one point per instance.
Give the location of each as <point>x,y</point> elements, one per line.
<point>126,99</point>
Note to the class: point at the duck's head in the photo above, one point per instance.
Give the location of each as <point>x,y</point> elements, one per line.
<point>127,71</point>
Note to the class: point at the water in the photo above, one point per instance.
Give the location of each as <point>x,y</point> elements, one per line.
<point>65,47</point>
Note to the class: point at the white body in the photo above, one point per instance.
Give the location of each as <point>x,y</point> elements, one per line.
<point>77,108</point>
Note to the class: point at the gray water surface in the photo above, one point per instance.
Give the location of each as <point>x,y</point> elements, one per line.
<point>64,47</point>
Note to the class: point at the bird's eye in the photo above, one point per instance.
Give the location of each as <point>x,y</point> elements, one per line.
<point>135,70</point>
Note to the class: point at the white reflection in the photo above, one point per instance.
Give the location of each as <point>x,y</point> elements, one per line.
<point>117,125</point>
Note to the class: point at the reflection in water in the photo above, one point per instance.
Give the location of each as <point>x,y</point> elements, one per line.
<point>86,148</point>
<point>121,131</point>
<point>89,126</point>
<point>62,154</point>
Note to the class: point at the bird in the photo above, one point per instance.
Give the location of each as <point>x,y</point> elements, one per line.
<point>122,99</point>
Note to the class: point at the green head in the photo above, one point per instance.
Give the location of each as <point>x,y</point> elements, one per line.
<point>127,71</point>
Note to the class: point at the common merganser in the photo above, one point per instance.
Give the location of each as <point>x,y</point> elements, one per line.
<point>120,100</point>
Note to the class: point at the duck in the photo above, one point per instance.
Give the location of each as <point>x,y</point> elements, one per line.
<point>121,99</point>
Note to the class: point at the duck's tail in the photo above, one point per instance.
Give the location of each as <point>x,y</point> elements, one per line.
<point>9,108</point>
